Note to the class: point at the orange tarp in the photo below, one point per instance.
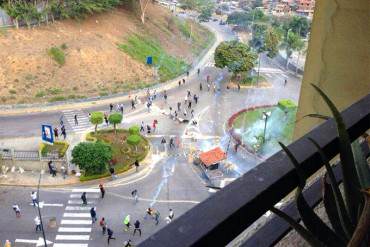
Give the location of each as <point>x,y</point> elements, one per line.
<point>212,156</point>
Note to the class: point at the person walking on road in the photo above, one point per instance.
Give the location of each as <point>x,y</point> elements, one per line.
<point>56,133</point>
<point>183,81</point>
<point>49,165</point>
<point>285,82</point>
<point>149,212</point>
<point>200,86</point>
<point>7,243</point>
<point>198,72</point>
<point>127,243</point>
<point>178,106</point>
<point>135,196</point>
<point>93,215</point>
<point>137,228</point>
<point>170,216</point>
<point>238,87</point>
<point>142,126</point>
<point>103,225</point>
<point>34,198</point>
<point>53,170</point>
<point>163,142</point>
<point>76,120</point>
<point>192,113</point>
<point>156,217</point>
<point>110,107</point>
<point>172,144</point>
<point>136,165</point>
<point>179,83</point>
<point>187,73</point>
<point>64,133</point>
<point>195,97</point>
<point>110,234</point>
<point>37,223</point>
<point>106,119</point>
<point>154,124</point>
<point>189,104</point>
<point>102,190</point>
<point>126,222</point>
<point>17,210</point>
<point>133,105</point>
<point>83,198</point>
<point>111,170</point>
<point>165,95</point>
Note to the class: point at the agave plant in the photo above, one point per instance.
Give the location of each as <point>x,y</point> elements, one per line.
<point>348,213</point>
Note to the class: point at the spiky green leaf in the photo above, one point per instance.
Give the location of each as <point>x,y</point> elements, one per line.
<point>315,225</point>
<point>320,116</point>
<point>300,173</point>
<point>342,211</point>
<point>351,182</point>
<point>308,236</point>
<point>362,168</point>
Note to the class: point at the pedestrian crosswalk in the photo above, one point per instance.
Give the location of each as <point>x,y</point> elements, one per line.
<point>83,123</point>
<point>76,225</point>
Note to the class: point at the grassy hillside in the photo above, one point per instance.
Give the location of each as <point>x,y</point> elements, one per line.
<point>101,55</point>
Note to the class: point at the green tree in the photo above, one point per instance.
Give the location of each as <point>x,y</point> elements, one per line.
<point>96,118</point>
<point>134,140</point>
<point>115,118</point>
<point>292,42</point>
<point>235,56</point>
<point>299,25</point>
<point>271,42</point>
<point>92,157</point>
<point>205,14</point>
<point>238,18</point>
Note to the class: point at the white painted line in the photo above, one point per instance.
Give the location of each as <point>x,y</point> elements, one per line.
<point>87,195</point>
<point>70,245</point>
<point>79,202</point>
<point>77,215</point>
<point>76,222</point>
<point>76,208</point>
<point>72,237</point>
<point>86,190</point>
<point>74,229</point>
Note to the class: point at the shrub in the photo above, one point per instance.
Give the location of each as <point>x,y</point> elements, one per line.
<point>286,105</point>
<point>57,54</point>
<point>134,130</point>
<point>40,94</point>
<point>64,46</point>
<point>54,91</point>
<point>90,138</point>
<point>60,146</point>
<point>12,91</point>
<point>57,98</point>
<point>115,118</point>
<point>96,118</point>
<point>92,157</point>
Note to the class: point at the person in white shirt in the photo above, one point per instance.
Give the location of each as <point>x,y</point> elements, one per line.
<point>37,224</point>
<point>34,198</point>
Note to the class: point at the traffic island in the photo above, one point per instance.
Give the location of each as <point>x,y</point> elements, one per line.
<point>123,148</point>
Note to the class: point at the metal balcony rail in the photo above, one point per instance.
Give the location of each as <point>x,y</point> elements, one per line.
<point>223,216</point>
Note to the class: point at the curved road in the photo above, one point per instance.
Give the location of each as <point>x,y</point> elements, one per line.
<point>172,182</point>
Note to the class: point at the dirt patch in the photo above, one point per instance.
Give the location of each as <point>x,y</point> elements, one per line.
<point>93,64</point>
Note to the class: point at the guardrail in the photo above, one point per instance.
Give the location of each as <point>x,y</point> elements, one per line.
<point>11,154</point>
<point>221,218</point>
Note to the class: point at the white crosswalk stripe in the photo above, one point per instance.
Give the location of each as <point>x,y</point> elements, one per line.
<point>76,208</point>
<point>72,237</point>
<point>82,119</point>
<point>76,215</point>
<point>87,196</point>
<point>74,229</point>
<point>74,222</point>
<point>79,202</point>
<point>70,245</point>
<point>210,64</point>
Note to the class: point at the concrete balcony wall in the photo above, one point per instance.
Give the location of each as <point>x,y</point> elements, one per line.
<point>337,59</point>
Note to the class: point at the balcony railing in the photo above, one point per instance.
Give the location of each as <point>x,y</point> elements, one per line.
<point>222,217</point>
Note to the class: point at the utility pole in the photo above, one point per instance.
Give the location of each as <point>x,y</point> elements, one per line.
<point>38,209</point>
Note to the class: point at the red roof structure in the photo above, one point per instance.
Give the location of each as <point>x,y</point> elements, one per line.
<point>212,156</point>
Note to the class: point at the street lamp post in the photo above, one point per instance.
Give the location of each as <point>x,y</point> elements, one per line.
<point>266,115</point>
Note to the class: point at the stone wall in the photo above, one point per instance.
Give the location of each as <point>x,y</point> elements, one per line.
<point>337,59</point>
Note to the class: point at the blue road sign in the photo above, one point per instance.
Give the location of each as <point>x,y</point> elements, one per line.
<point>149,60</point>
<point>47,133</point>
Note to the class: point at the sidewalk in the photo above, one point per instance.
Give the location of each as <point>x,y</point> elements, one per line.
<point>114,99</point>
<point>30,178</point>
